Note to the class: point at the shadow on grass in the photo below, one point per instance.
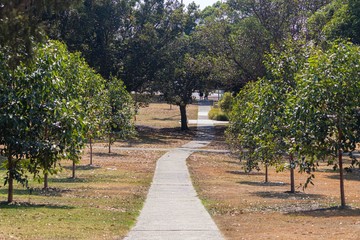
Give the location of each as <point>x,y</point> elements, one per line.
<point>26,205</point>
<point>245,173</point>
<point>329,212</point>
<point>83,167</point>
<point>270,184</point>
<point>113,154</point>
<point>288,195</point>
<point>171,118</point>
<point>350,176</point>
<point>50,192</point>
<point>233,162</point>
<point>69,180</point>
<point>161,135</point>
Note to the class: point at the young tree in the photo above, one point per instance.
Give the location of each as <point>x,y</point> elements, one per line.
<point>41,112</point>
<point>119,112</point>
<point>270,128</point>
<point>57,80</point>
<point>327,102</point>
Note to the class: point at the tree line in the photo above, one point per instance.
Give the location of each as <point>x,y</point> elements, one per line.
<point>265,49</point>
<point>305,107</point>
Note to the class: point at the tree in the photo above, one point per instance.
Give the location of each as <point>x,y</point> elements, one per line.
<point>119,112</point>
<point>21,25</point>
<point>185,72</point>
<point>338,19</point>
<point>264,126</point>
<point>99,29</point>
<point>327,102</point>
<point>239,33</point>
<point>41,114</point>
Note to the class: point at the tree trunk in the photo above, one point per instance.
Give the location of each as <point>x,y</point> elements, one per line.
<point>90,143</point>
<point>73,170</point>
<point>292,175</point>
<point>266,173</point>
<point>109,142</point>
<point>184,125</point>
<point>11,180</point>
<point>46,181</point>
<point>342,189</point>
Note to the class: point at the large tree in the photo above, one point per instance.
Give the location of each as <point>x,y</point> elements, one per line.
<point>338,19</point>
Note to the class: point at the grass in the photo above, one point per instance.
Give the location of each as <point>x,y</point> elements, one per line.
<point>162,115</point>
<point>244,207</point>
<point>102,203</point>
<point>105,199</point>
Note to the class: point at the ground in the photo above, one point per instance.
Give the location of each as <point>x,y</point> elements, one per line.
<point>105,199</point>
<point>244,207</point>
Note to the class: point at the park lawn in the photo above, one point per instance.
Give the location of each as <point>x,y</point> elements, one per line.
<point>158,126</point>
<point>162,115</point>
<point>101,203</point>
<point>105,199</point>
<point>244,207</point>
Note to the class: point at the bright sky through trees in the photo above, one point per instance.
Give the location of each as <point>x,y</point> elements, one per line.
<point>202,3</point>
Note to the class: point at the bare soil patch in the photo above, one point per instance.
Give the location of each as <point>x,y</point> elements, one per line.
<point>244,207</point>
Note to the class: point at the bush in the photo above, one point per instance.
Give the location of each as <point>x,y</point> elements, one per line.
<point>218,115</point>
<point>226,102</point>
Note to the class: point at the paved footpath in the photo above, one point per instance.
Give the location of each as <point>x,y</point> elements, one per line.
<point>172,210</point>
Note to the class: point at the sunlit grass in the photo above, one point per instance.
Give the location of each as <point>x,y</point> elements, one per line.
<point>101,203</point>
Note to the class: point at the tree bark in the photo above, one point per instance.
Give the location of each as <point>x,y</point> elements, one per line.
<point>184,125</point>
<point>266,173</point>
<point>109,142</point>
<point>292,175</point>
<point>90,143</point>
<point>342,188</point>
<point>73,170</point>
<point>46,181</point>
<point>10,180</point>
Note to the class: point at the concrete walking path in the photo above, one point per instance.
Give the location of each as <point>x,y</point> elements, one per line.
<point>172,209</point>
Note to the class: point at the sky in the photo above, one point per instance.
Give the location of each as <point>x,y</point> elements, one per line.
<point>202,3</point>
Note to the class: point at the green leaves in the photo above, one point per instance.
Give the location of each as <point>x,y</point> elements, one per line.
<point>46,108</point>
<point>328,95</point>
<point>307,108</point>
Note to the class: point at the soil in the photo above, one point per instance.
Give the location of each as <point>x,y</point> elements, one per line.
<point>244,207</point>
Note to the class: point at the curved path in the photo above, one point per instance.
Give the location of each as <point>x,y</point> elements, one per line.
<point>172,209</point>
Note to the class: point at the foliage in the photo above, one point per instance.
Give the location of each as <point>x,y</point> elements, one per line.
<point>338,19</point>
<point>327,102</point>
<point>119,112</point>
<point>260,124</point>
<point>21,25</point>
<point>44,106</point>
<point>218,114</point>
<point>226,102</point>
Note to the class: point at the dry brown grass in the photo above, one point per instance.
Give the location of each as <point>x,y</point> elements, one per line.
<point>162,115</point>
<point>101,203</point>
<point>244,207</point>
<point>105,199</point>
<point>158,126</point>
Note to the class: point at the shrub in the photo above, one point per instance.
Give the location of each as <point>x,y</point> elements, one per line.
<point>218,115</point>
<point>226,102</point>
